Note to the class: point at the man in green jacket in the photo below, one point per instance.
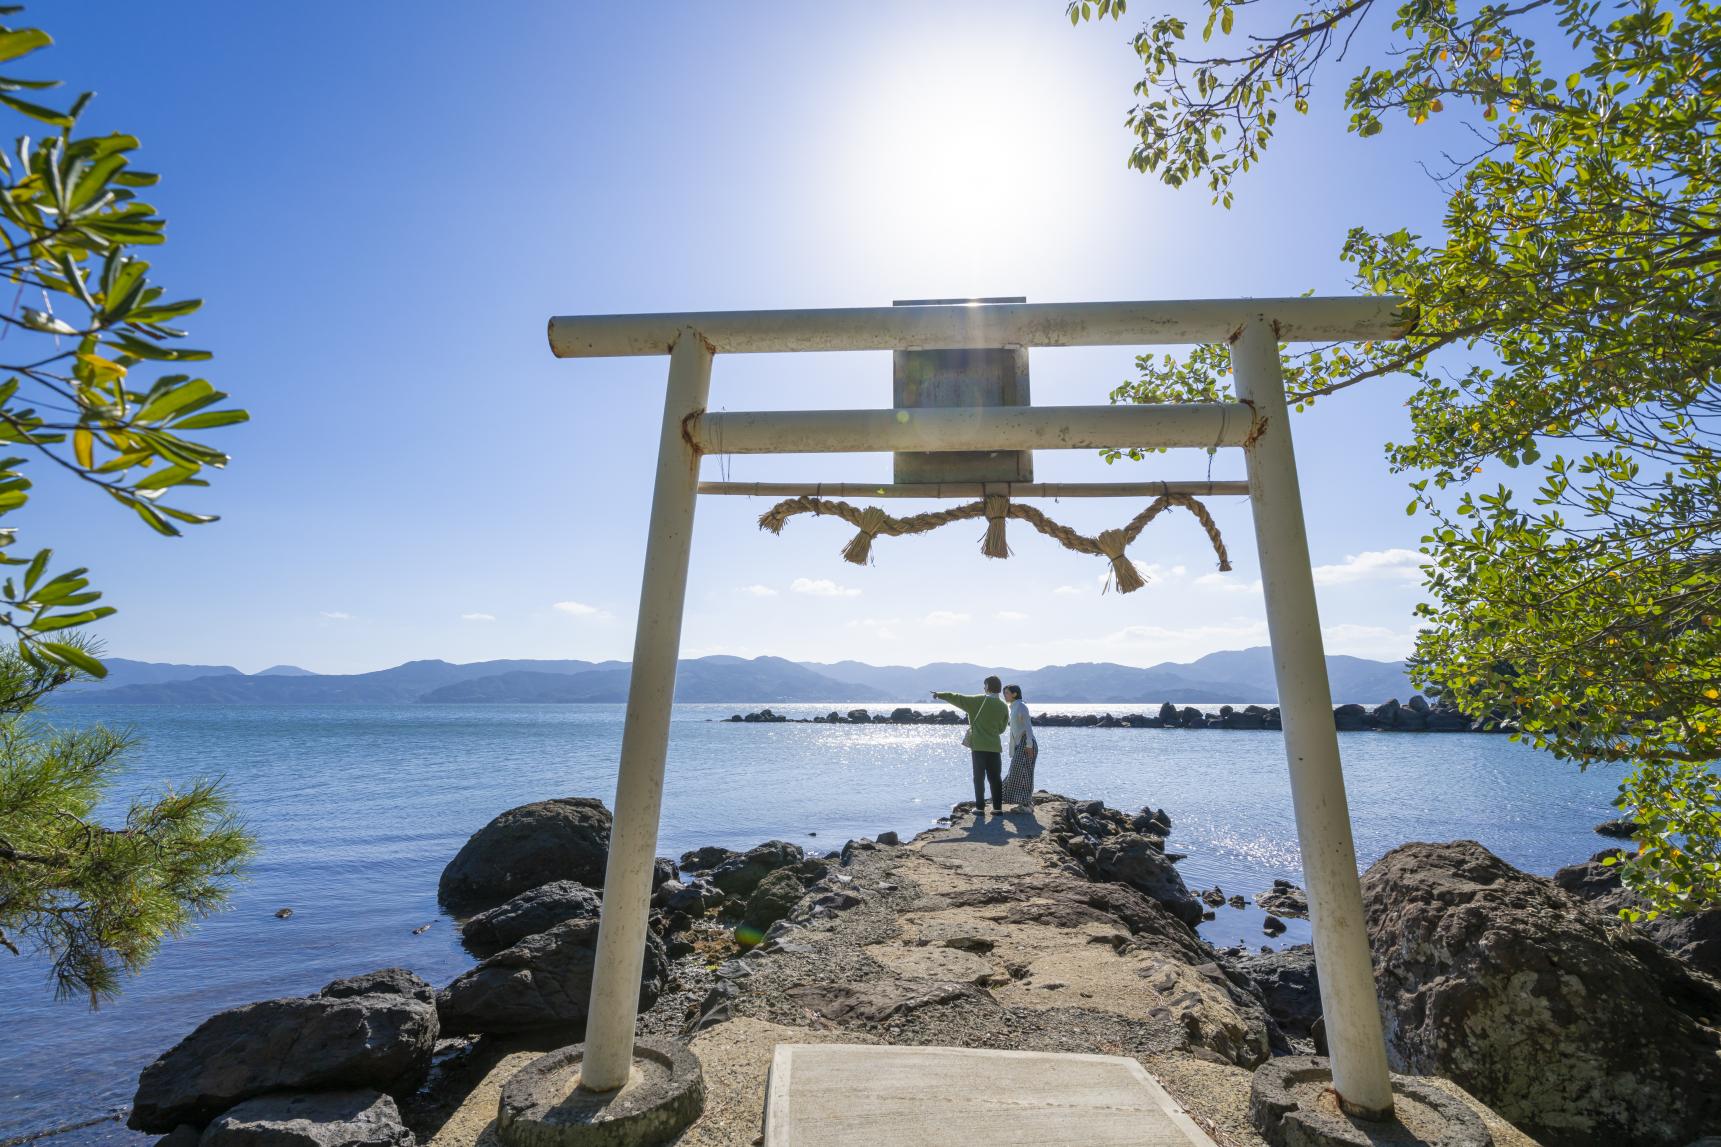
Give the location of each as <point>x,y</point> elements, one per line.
<point>988,717</point>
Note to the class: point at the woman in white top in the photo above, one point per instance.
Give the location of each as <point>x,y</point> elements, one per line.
<point>1024,750</point>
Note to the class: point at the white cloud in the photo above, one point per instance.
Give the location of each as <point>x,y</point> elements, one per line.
<point>1010,615</point>
<point>946,617</point>
<point>1227,583</point>
<point>1373,641</point>
<point>477,617</point>
<point>579,609</point>
<point>1398,565</point>
<point>1068,591</point>
<point>821,587</point>
<point>883,628</point>
<point>758,591</point>
<point>336,615</point>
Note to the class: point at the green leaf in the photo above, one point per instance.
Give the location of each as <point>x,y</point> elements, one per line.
<point>22,42</point>
<point>73,656</point>
<point>36,111</point>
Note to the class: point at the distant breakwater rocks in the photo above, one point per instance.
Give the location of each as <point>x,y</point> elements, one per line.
<point>1416,715</point>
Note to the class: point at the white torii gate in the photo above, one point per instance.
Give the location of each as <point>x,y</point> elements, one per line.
<point>1258,422</point>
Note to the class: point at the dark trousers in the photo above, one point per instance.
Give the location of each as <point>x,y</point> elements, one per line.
<point>988,767</point>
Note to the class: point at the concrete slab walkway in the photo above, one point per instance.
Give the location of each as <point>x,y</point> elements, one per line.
<point>836,1095</point>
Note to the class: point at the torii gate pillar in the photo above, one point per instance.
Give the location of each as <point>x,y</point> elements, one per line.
<point>1354,1038</point>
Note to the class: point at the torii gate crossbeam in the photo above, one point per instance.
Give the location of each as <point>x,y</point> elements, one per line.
<point>1258,422</point>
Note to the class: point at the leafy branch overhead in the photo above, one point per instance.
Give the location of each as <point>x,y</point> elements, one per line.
<point>91,365</point>
<point>1570,321</point>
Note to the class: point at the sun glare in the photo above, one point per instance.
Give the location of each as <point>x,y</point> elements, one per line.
<point>954,160</point>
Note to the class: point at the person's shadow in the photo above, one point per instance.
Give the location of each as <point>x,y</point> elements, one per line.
<point>998,828</point>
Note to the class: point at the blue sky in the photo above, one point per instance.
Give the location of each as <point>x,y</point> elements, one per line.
<point>383,203</point>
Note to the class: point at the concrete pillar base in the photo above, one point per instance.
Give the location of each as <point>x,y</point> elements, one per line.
<point>543,1105</point>
<point>1292,1104</point>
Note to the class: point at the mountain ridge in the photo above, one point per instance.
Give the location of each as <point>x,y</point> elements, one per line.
<point>1229,676</point>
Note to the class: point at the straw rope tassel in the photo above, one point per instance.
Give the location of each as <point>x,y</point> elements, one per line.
<point>1124,575</point>
<point>859,550</point>
<point>993,544</point>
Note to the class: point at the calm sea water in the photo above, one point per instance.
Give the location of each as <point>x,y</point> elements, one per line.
<point>357,809</point>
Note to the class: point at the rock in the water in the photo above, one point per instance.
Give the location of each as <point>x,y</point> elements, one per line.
<point>527,914</point>
<point>544,981</point>
<point>1283,899</point>
<point>1620,827</point>
<point>311,1119</point>
<point>1574,1029</point>
<point>382,1041</point>
<point>1139,862</point>
<point>888,838</point>
<point>1288,983</point>
<point>772,900</point>
<point>707,857</point>
<point>383,982</point>
<point>1273,926</point>
<point>564,839</point>
<point>663,870</point>
<point>740,875</point>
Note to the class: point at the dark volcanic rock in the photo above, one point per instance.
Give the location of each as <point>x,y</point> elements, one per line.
<point>1140,862</point>
<point>772,900</point>
<point>544,981</point>
<point>1283,899</point>
<point>382,1041</point>
<point>1288,983</point>
<point>706,857</point>
<point>1694,938</point>
<point>527,914</point>
<point>564,839</point>
<point>384,982</point>
<point>1620,827</point>
<point>740,875</point>
<point>1571,1027</point>
<point>311,1119</point>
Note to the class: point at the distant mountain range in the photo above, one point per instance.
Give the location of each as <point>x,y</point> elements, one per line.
<point>1238,677</point>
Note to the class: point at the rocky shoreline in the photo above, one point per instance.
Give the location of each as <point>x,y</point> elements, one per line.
<point>1064,927</point>
<point>1416,715</point>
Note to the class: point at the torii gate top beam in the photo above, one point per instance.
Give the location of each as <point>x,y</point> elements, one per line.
<point>981,325</point>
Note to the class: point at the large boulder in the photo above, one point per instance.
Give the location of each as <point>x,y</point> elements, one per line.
<point>383,982</point>
<point>772,900</point>
<point>1575,1029</point>
<point>527,914</point>
<point>1283,899</point>
<point>563,839</point>
<point>1140,862</point>
<point>544,981</point>
<point>360,1118</point>
<point>1288,983</point>
<point>1694,937</point>
<point>382,1041</point>
<point>740,875</point>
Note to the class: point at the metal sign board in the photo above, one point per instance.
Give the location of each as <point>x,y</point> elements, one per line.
<point>963,378</point>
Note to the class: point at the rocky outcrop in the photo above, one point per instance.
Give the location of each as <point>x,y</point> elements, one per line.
<point>739,875</point>
<point>1283,899</point>
<point>776,895</point>
<point>1694,937</point>
<point>531,912</point>
<point>544,981</point>
<point>382,1041</point>
<point>1573,1028</point>
<point>360,1118</point>
<point>1287,982</point>
<point>1140,862</point>
<point>564,839</point>
<point>383,982</point>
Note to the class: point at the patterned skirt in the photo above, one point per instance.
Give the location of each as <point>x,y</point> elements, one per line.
<point>1019,784</point>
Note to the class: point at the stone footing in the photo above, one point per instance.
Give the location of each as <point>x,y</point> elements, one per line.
<point>1292,1104</point>
<point>544,1106</point>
